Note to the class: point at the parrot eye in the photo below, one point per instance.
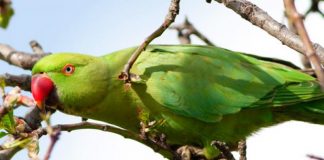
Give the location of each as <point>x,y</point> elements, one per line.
<point>68,69</point>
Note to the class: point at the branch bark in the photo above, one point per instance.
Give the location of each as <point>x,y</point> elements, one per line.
<point>36,47</point>
<point>106,128</point>
<point>54,138</point>
<point>260,18</point>
<point>33,120</point>
<point>22,81</point>
<point>313,157</point>
<point>18,58</point>
<point>186,29</point>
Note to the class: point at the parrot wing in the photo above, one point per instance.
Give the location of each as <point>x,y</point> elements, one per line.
<point>208,82</point>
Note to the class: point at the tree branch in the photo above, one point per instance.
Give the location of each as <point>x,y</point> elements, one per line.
<point>172,13</point>
<point>23,81</point>
<point>260,18</point>
<point>26,61</point>
<point>36,47</point>
<point>106,128</point>
<point>291,26</point>
<point>313,157</point>
<point>186,29</point>
<point>309,50</point>
<point>54,138</point>
<point>18,58</point>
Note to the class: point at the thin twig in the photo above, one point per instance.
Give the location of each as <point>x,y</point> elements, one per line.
<point>260,18</point>
<point>102,127</point>
<point>18,58</point>
<point>313,157</point>
<point>183,33</point>
<point>308,47</point>
<point>186,29</point>
<point>23,81</point>
<point>172,13</point>
<point>314,7</point>
<point>305,61</point>
<point>36,47</point>
<point>54,138</point>
<point>221,146</point>
<point>303,58</point>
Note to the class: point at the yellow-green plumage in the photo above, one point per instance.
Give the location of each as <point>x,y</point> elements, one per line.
<point>198,93</point>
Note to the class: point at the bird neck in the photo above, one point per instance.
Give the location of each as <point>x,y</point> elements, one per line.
<point>119,107</point>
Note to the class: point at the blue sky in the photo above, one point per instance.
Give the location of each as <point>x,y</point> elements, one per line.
<point>100,27</point>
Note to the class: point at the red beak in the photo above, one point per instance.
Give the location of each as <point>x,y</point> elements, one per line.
<point>41,87</point>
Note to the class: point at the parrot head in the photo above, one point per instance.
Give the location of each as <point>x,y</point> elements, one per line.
<point>69,81</point>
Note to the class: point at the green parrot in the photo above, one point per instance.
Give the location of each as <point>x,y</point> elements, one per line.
<point>193,94</point>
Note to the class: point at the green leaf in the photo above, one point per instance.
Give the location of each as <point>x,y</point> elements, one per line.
<point>2,82</point>
<point>8,122</point>
<point>18,142</point>
<point>2,86</point>
<point>2,134</point>
<point>5,16</point>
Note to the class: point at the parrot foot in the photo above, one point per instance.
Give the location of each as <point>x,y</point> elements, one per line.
<point>190,152</point>
<point>145,128</point>
<point>224,149</point>
<point>147,132</point>
<point>149,127</point>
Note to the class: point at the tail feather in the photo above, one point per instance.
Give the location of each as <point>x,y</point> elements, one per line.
<point>312,112</point>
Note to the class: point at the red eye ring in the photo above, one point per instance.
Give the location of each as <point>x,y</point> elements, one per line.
<point>68,69</point>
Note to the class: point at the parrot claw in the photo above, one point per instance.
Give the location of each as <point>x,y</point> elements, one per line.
<point>152,123</point>
<point>224,149</point>
<point>157,138</point>
<point>143,131</point>
<point>145,128</point>
<point>189,152</point>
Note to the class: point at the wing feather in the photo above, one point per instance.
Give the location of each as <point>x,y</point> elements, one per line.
<point>208,82</point>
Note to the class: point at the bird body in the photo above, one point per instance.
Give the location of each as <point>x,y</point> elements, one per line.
<point>194,94</point>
